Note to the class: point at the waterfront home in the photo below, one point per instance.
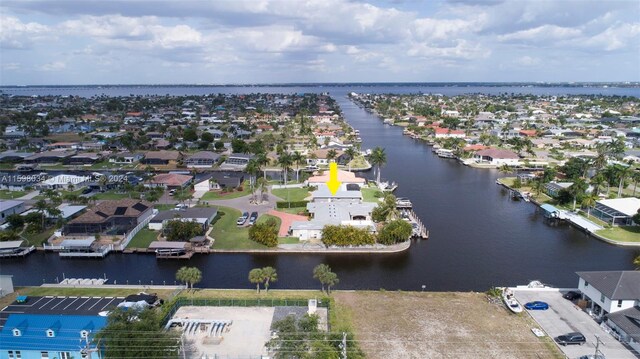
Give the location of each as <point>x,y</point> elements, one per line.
<point>110,217</point>
<point>609,291</point>
<point>9,207</point>
<point>321,157</point>
<point>36,336</point>
<point>237,161</point>
<point>6,285</point>
<point>18,182</point>
<point>202,159</point>
<point>345,177</point>
<point>202,215</point>
<point>163,158</point>
<point>626,326</point>
<point>13,156</point>
<point>49,157</point>
<point>324,195</point>
<point>170,181</point>
<point>126,157</point>
<point>448,133</point>
<point>553,188</point>
<point>497,157</point>
<point>617,211</point>
<point>87,158</point>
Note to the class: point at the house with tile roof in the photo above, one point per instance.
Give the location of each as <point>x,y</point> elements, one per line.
<point>36,336</point>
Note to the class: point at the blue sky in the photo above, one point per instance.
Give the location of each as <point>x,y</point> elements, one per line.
<point>277,41</point>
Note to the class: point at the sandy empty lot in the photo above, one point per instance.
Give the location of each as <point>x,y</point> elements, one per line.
<point>440,325</point>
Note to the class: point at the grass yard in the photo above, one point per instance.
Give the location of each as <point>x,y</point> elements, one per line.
<point>37,239</point>
<point>294,210</point>
<point>266,217</point>
<point>288,240</point>
<point>5,194</point>
<point>369,194</point>
<point>438,325</point>
<point>143,238</point>
<point>228,235</point>
<point>213,195</point>
<point>294,194</point>
<point>621,234</point>
<point>164,207</point>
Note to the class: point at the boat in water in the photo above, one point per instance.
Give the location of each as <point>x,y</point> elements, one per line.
<point>385,186</point>
<point>510,301</point>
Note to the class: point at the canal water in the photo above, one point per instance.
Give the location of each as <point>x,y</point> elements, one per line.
<point>479,237</point>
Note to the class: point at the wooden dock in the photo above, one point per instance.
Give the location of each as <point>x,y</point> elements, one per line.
<point>422,230</point>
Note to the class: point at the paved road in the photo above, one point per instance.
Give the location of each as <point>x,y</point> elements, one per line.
<point>564,317</point>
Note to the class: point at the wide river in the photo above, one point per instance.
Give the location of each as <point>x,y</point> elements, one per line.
<point>479,237</point>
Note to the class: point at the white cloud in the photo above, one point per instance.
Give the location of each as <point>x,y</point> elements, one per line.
<point>617,37</point>
<point>528,61</point>
<point>545,33</point>
<point>15,34</point>
<point>53,66</point>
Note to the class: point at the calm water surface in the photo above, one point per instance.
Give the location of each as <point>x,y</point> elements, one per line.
<point>479,237</point>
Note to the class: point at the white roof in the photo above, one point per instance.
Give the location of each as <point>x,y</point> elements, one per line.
<point>628,206</point>
<point>167,245</point>
<point>7,204</point>
<point>10,244</point>
<point>77,242</point>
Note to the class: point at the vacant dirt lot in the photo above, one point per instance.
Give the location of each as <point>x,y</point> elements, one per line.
<point>440,325</point>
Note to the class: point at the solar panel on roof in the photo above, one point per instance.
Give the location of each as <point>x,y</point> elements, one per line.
<point>140,207</point>
<point>101,214</point>
<point>120,211</point>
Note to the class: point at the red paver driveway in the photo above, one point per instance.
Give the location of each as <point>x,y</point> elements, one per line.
<point>287,219</point>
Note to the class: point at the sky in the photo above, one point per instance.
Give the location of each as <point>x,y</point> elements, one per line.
<point>60,42</point>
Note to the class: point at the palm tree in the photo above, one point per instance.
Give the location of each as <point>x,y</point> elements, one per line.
<point>351,153</point>
<point>577,189</point>
<point>189,275</point>
<point>319,273</point>
<point>298,159</point>
<point>331,154</point>
<point>378,158</point>
<point>252,169</point>
<point>597,181</point>
<point>589,201</point>
<point>263,186</point>
<point>285,162</point>
<point>331,279</point>
<point>636,178</point>
<point>262,160</point>
<point>269,275</point>
<point>623,172</point>
<point>255,277</point>
<point>43,208</point>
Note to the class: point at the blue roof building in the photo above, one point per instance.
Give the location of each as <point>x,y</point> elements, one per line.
<point>36,336</point>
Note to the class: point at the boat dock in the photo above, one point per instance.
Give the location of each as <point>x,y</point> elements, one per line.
<point>419,231</point>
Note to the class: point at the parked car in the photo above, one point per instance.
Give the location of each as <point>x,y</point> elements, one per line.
<point>172,192</point>
<point>253,218</point>
<point>181,206</point>
<point>537,305</point>
<point>242,219</point>
<point>571,338</point>
<point>592,356</point>
<point>87,191</point>
<point>571,295</point>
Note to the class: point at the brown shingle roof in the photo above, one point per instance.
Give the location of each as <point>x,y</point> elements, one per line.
<point>171,179</point>
<point>106,209</point>
<point>163,155</point>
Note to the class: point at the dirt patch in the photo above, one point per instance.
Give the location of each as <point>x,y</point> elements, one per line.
<point>440,325</point>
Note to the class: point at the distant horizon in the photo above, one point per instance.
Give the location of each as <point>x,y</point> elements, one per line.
<point>333,83</point>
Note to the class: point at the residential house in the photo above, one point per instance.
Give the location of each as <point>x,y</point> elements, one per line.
<point>49,157</point>
<point>126,157</point>
<point>553,188</point>
<point>9,207</point>
<point>226,179</point>
<point>497,157</point>
<point>163,158</point>
<point>13,156</point>
<point>88,158</point>
<point>610,291</point>
<point>31,336</point>
<point>626,326</point>
<point>170,181</point>
<point>448,133</point>
<point>202,215</point>
<point>110,217</point>
<point>237,161</point>
<point>321,157</point>
<point>202,159</point>
<point>345,177</point>
<point>617,211</point>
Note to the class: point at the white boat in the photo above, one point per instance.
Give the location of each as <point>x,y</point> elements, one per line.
<point>386,186</point>
<point>510,301</point>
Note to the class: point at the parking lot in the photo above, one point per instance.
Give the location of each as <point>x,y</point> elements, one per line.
<point>60,305</point>
<point>564,317</point>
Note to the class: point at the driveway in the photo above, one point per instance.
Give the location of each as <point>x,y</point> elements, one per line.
<point>563,317</point>
<point>242,204</point>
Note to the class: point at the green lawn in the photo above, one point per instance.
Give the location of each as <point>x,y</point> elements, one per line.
<point>37,239</point>
<point>266,217</point>
<point>294,194</point>
<point>4,194</point>
<point>621,234</point>
<point>293,210</point>
<point>369,194</point>
<point>164,207</point>
<point>212,195</point>
<point>288,240</point>
<point>358,162</point>
<point>228,235</point>
<point>143,238</point>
